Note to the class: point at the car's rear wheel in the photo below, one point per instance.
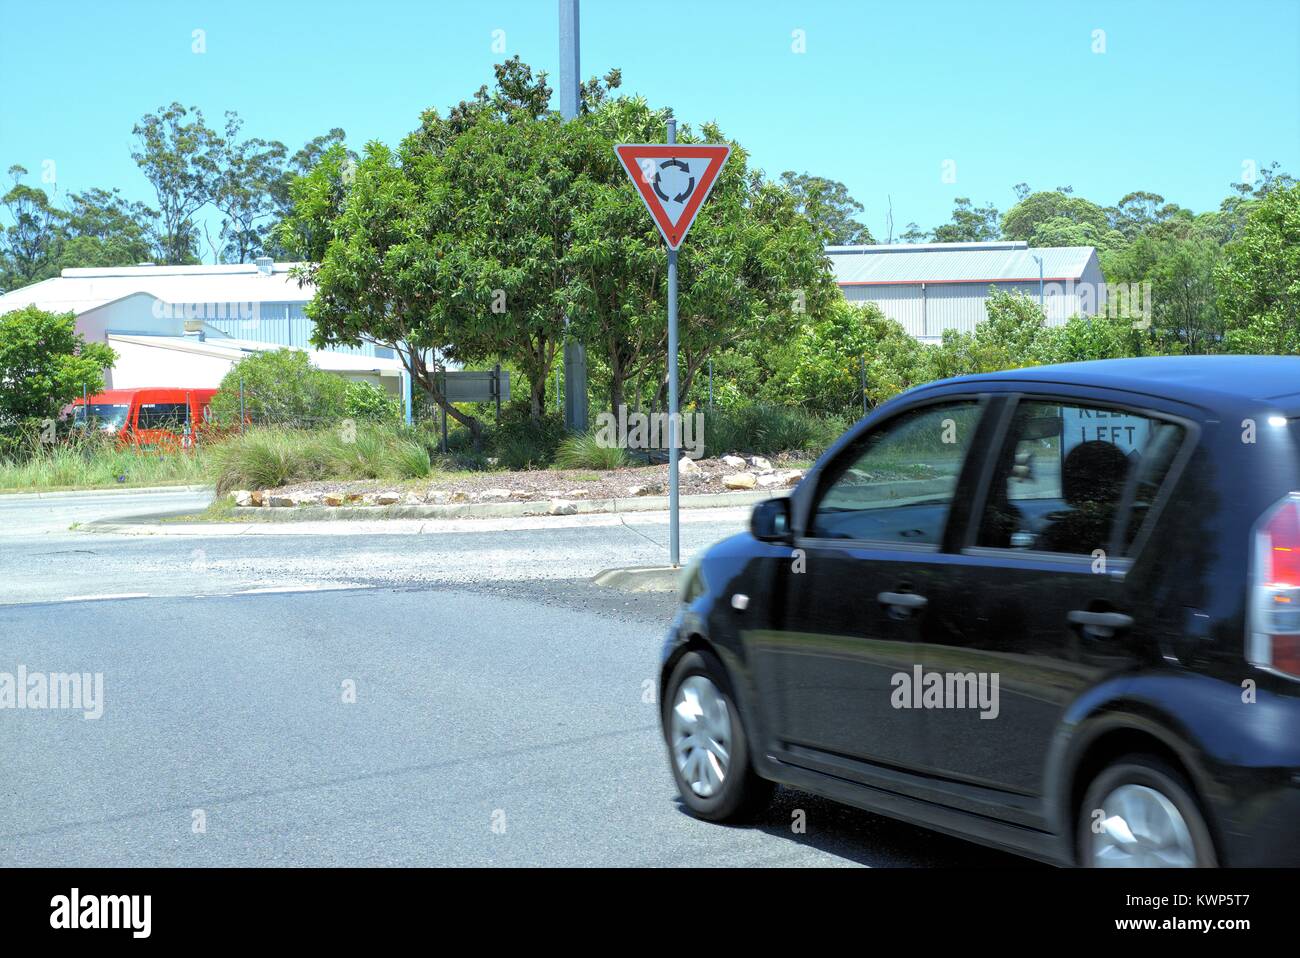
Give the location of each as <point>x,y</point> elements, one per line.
<point>707,744</point>
<point>1141,813</point>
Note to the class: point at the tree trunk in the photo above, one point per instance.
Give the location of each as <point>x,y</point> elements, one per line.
<point>428,381</point>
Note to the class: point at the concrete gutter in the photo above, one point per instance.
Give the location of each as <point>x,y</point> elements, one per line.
<point>661,578</point>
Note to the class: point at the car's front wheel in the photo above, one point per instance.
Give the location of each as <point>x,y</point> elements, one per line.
<point>1141,813</point>
<point>707,744</point>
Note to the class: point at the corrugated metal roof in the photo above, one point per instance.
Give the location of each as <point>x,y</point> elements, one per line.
<point>81,290</point>
<point>955,263</point>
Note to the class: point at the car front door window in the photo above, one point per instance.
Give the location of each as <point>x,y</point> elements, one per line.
<point>898,483</point>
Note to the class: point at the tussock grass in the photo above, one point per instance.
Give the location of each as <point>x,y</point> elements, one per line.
<point>266,458</point>
<point>586,452</point>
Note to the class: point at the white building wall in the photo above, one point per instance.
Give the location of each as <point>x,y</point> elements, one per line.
<point>926,310</point>
<point>139,365</point>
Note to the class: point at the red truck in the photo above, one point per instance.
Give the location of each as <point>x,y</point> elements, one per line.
<point>158,418</point>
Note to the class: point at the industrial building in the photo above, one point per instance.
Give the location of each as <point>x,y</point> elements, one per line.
<point>932,287</point>
<point>185,326</point>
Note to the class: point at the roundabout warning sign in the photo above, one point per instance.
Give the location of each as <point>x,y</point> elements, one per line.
<point>674,180</point>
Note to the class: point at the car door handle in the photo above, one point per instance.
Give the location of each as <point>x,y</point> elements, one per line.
<point>902,600</point>
<point>1101,625</point>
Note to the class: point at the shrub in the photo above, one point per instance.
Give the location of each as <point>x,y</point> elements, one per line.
<point>366,402</point>
<point>44,365</point>
<point>281,387</point>
<point>586,452</point>
<point>768,430</point>
<point>522,442</point>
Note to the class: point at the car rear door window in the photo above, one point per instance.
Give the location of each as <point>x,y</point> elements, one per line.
<point>897,484</point>
<point>1068,475</point>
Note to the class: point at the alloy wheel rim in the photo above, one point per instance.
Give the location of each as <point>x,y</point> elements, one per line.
<point>701,735</point>
<point>1142,828</point>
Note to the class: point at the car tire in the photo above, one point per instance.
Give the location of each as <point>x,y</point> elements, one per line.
<point>699,686</point>
<point>1168,827</point>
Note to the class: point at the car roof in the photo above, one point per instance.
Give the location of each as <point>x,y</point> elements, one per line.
<point>1191,379</point>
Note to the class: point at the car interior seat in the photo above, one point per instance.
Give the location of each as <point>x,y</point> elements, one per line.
<point>1092,480</point>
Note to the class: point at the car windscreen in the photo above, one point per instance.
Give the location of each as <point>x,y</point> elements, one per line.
<point>109,417</point>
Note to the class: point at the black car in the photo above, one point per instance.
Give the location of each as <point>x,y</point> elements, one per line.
<point>1054,610</point>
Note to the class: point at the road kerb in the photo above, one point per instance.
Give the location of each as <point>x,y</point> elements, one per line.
<point>502,510</point>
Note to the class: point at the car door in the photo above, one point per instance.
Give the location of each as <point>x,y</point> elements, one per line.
<point>1042,575</point>
<point>863,586</point>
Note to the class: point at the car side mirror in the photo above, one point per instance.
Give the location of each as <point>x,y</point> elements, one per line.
<point>770,520</point>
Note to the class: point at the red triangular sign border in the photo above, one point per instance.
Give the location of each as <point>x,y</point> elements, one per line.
<point>630,155</point>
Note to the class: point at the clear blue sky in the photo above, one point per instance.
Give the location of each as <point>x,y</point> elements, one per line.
<point>1010,91</point>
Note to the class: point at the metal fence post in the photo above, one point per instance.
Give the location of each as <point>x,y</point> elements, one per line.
<point>241,404</point>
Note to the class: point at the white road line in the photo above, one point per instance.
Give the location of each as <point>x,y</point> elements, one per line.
<point>110,595</point>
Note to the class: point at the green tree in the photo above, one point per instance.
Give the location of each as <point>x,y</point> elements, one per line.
<point>28,244</point>
<point>181,158</point>
<point>44,365</point>
<point>281,387</point>
<point>970,224</point>
<point>828,356</point>
<point>1259,278</point>
<point>830,206</point>
<point>103,229</point>
<point>248,173</point>
<point>1059,219</point>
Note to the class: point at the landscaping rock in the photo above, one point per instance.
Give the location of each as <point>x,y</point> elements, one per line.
<point>492,495</point>
<point>733,462</point>
<point>276,501</point>
<point>437,496</point>
<point>243,497</point>
<point>688,467</point>
<point>741,480</point>
<point>650,489</point>
<point>332,499</point>
<point>791,478</point>
<point>771,479</point>
<point>257,498</point>
<point>761,464</point>
<point>388,499</point>
<point>458,496</point>
<point>562,507</point>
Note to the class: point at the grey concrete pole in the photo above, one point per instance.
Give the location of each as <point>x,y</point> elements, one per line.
<point>674,414</point>
<point>575,354</point>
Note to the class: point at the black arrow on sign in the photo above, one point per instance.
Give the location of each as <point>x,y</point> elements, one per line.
<point>680,197</point>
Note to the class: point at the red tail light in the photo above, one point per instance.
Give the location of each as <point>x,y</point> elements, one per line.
<point>1274,641</point>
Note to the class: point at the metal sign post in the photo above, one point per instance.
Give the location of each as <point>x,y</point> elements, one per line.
<point>673,181</point>
<point>674,414</point>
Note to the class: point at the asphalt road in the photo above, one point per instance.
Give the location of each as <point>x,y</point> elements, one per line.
<point>500,713</point>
